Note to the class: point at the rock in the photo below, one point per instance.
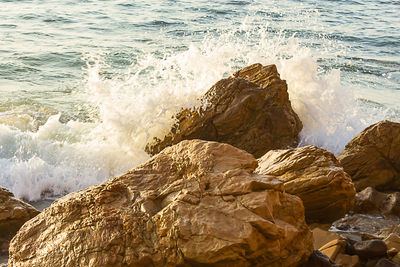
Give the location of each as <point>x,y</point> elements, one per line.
<point>333,248</point>
<point>396,258</point>
<point>347,260</point>
<point>366,226</point>
<point>321,237</point>
<point>386,263</point>
<point>372,158</point>
<point>250,110</point>
<point>393,241</point>
<point>196,203</point>
<point>374,248</point>
<point>318,259</point>
<point>316,177</point>
<point>374,202</point>
<point>13,214</point>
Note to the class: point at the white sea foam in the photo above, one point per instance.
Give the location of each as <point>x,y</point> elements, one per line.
<point>132,109</point>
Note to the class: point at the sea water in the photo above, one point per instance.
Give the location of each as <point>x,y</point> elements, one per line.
<point>84,85</point>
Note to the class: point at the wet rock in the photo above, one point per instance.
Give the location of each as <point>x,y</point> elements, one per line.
<point>13,214</point>
<point>372,158</point>
<point>374,202</point>
<point>374,248</point>
<point>366,226</point>
<point>197,203</point>
<point>250,110</point>
<point>316,177</point>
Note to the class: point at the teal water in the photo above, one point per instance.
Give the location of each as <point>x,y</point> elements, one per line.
<point>85,84</point>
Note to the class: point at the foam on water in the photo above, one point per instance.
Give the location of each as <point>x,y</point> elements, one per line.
<point>133,108</point>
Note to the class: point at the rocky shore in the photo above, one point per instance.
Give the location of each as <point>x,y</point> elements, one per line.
<point>227,186</point>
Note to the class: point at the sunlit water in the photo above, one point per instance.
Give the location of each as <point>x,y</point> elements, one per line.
<point>85,84</point>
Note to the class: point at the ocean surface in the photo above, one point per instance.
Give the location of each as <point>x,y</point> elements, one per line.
<point>85,84</point>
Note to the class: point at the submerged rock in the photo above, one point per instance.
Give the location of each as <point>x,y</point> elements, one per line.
<point>250,110</point>
<point>316,177</point>
<point>13,214</point>
<point>197,203</point>
<point>372,158</point>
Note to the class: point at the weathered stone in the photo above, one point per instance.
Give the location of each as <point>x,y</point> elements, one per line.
<point>372,158</point>
<point>13,214</point>
<point>373,248</point>
<point>374,202</point>
<point>316,177</point>
<point>347,260</point>
<point>321,237</point>
<point>250,110</point>
<point>197,203</point>
<point>333,248</point>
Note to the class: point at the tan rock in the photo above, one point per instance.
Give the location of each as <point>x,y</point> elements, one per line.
<point>196,203</point>
<point>321,237</point>
<point>316,177</point>
<point>347,260</point>
<point>13,214</point>
<point>372,158</point>
<point>250,110</point>
<point>333,248</point>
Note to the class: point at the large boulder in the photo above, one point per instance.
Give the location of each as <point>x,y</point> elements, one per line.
<point>314,175</point>
<point>250,110</point>
<point>197,203</point>
<point>13,214</point>
<point>372,158</point>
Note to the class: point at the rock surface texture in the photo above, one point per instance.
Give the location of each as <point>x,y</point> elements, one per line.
<point>316,177</point>
<point>372,158</point>
<point>371,201</point>
<point>250,110</point>
<point>13,214</point>
<point>197,203</point>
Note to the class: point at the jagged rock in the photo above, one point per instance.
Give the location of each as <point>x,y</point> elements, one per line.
<point>250,110</point>
<point>372,158</point>
<point>374,202</point>
<point>13,214</point>
<point>197,203</point>
<point>316,177</point>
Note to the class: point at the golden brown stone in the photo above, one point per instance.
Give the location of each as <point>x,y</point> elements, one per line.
<point>250,110</point>
<point>316,177</point>
<point>197,203</point>
<point>372,158</point>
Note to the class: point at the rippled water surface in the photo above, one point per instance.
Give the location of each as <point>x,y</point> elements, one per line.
<point>85,84</point>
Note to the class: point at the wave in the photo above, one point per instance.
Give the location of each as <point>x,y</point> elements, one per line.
<point>54,158</point>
